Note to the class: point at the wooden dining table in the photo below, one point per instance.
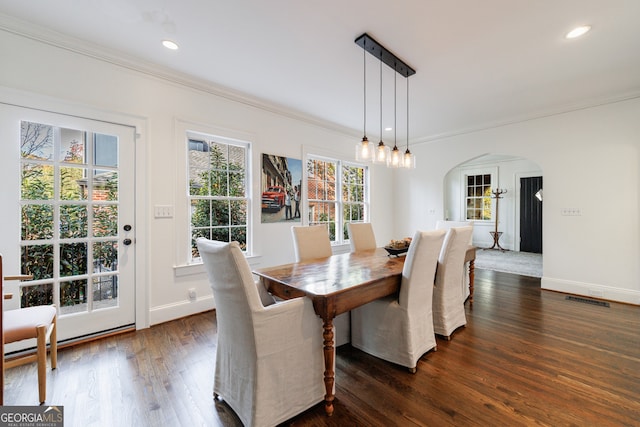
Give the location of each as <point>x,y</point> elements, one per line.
<point>336,285</point>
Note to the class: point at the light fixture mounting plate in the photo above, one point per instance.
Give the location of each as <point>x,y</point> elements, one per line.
<point>370,45</point>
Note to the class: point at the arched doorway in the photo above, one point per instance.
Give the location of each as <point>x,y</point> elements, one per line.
<point>468,197</point>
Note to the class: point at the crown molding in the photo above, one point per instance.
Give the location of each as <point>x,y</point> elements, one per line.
<point>559,110</point>
<point>120,59</point>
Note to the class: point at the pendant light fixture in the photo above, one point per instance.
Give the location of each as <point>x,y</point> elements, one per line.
<point>364,150</point>
<point>409,161</point>
<point>381,154</point>
<point>396,159</point>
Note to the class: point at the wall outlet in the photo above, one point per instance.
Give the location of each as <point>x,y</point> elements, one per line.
<point>192,294</point>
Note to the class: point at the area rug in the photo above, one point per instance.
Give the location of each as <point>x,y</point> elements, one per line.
<point>523,263</point>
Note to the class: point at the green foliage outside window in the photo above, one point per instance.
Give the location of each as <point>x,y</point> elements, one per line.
<point>218,195</point>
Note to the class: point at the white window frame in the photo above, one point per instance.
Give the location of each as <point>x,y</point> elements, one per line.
<point>184,131</point>
<point>493,172</point>
<point>340,221</point>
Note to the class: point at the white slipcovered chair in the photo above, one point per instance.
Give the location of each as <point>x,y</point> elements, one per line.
<point>400,329</point>
<point>313,242</point>
<point>446,225</point>
<point>361,237</point>
<point>448,300</point>
<point>269,356</point>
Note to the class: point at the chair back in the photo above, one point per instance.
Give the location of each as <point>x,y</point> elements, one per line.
<point>269,360</point>
<point>451,260</point>
<point>234,292</point>
<point>361,237</point>
<point>419,271</point>
<point>311,242</point>
<point>446,225</point>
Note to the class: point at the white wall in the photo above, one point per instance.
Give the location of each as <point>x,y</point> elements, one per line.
<point>35,74</point>
<point>590,160</point>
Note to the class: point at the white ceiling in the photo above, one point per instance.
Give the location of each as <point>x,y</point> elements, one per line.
<point>478,63</point>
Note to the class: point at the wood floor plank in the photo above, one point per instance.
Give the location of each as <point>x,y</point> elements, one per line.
<point>526,357</point>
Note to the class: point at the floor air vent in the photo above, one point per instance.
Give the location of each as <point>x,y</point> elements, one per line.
<point>588,301</point>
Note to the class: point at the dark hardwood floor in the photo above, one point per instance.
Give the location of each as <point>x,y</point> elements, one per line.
<point>526,357</point>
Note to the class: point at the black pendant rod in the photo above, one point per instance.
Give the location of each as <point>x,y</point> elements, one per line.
<point>383,54</point>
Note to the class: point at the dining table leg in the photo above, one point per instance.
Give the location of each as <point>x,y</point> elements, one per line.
<point>472,277</point>
<point>329,364</point>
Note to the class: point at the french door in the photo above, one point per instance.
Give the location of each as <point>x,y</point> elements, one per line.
<point>67,212</point>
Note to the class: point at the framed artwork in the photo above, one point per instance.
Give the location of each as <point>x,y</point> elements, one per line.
<point>281,188</point>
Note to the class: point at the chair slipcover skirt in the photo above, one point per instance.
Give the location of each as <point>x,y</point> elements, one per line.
<point>269,360</point>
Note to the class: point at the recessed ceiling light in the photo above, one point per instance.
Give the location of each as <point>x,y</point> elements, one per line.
<point>170,44</point>
<point>388,129</point>
<point>578,31</point>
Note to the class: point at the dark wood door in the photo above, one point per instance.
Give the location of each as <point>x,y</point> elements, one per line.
<point>530,215</point>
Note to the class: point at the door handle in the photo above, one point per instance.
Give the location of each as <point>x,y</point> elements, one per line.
<point>127,242</point>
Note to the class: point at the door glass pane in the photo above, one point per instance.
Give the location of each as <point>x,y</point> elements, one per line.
<point>33,295</point>
<point>37,260</point>
<point>73,296</point>
<point>73,221</point>
<point>105,150</point>
<point>105,256</point>
<point>36,182</point>
<point>72,146</point>
<point>105,291</point>
<point>105,185</point>
<point>36,141</point>
<point>105,221</point>
<point>37,222</point>
<point>73,259</point>
<point>73,183</point>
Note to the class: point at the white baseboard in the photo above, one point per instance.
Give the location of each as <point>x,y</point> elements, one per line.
<point>165,313</point>
<point>591,290</point>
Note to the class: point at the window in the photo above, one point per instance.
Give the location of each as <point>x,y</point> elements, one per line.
<point>337,193</point>
<point>354,208</point>
<point>218,190</point>
<point>478,197</point>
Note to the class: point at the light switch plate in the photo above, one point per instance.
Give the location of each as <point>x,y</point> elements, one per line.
<point>163,211</point>
<point>570,212</point>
